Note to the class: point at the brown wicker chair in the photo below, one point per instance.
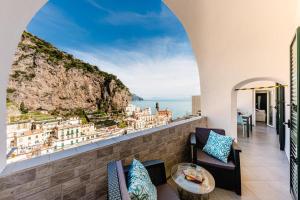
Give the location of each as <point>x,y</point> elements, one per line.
<point>227,175</point>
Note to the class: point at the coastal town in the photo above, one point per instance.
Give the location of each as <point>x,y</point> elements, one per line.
<point>31,138</point>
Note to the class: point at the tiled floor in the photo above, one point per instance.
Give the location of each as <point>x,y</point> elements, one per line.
<point>264,168</point>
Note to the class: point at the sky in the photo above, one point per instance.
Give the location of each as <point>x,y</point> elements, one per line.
<point>140,41</point>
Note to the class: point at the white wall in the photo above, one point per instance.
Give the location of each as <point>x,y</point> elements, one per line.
<point>236,41</point>
<point>245,101</point>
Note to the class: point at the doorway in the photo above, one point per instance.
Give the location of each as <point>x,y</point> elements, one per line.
<point>264,107</point>
<point>261,106</point>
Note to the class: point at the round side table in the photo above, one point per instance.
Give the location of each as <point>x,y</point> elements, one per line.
<point>189,190</point>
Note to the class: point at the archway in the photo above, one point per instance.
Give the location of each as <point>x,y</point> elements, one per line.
<point>263,145</point>
<point>4,145</point>
<point>254,85</point>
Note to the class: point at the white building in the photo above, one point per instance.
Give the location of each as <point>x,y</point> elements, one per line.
<point>130,109</point>
<point>30,139</point>
<point>141,119</point>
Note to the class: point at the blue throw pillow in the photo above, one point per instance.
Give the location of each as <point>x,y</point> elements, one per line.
<point>140,185</point>
<point>137,170</point>
<point>218,146</point>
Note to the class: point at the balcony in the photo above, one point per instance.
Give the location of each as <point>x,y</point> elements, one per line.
<point>81,172</point>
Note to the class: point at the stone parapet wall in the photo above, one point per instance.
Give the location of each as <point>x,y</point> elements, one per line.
<point>83,175</point>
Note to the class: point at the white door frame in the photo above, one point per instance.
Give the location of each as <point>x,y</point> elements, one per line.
<point>269,95</point>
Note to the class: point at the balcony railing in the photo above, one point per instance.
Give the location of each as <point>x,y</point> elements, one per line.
<point>81,171</point>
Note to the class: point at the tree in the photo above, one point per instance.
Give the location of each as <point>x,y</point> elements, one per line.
<point>23,109</point>
<point>122,124</point>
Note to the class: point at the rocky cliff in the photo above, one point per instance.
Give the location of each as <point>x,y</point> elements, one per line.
<point>135,97</point>
<point>44,78</point>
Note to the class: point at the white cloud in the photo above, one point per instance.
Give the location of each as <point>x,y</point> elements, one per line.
<point>159,68</point>
<point>56,21</point>
<point>97,5</point>
<point>134,18</point>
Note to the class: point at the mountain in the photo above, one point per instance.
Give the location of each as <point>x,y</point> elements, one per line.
<point>134,97</point>
<point>43,78</point>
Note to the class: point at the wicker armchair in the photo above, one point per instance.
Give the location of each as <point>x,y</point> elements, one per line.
<point>117,182</point>
<point>227,175</point>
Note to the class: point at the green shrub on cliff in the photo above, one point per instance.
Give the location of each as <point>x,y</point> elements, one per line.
<point>23,109</point>
<point>10,90</point>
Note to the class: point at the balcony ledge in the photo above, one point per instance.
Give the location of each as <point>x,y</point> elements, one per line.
<point>44,159</point>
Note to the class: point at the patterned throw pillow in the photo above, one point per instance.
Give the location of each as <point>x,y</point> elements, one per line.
<point>137,170</point>
<point>218,146</point>
<point>142,190</point>
<point>140,185</point>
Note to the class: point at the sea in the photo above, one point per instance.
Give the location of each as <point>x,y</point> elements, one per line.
<point>179,108</point>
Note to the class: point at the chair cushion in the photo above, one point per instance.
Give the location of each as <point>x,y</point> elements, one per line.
<point>140,185</point>
<point>165,192</point>
<point>218,146</point>
<point>202,135</point>
<point>203,158</point>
